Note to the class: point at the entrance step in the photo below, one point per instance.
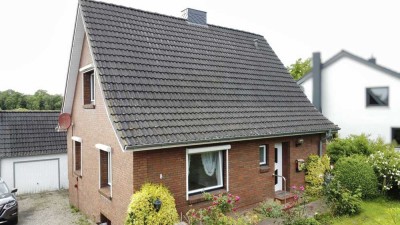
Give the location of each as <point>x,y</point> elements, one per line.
<point>281,196</point>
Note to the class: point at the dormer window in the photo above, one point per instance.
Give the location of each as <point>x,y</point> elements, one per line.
<point>88,88</point>
<point>378,96</point>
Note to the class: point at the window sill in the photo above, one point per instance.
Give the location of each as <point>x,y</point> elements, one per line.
<point>264,168</point>
<point>89,106</point>
<point>106,192</point>
<point>197,198</point>
<point>78,173</point>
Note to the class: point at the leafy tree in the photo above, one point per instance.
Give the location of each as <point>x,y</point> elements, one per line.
<point>41,100</point>
<point>300,68</point>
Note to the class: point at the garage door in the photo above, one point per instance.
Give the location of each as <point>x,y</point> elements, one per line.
<point>36,176</point>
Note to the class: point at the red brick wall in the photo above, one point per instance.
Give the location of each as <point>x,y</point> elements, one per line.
<point>245,178</point>
<point>94,127</point>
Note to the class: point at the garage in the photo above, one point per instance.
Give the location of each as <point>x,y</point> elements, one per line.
<point>33,153</point>
<point>37,176</point>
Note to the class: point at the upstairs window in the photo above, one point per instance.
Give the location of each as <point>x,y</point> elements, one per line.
<point>88,88</point>
<point>378,96</point>
<point>263,149</point>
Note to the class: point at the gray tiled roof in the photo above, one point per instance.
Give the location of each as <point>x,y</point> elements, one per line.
<point>29,133</point>
<point>169,82</point>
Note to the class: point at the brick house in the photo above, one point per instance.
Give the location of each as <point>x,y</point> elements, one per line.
<point>177,101</point>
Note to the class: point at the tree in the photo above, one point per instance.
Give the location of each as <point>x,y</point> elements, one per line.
<point>41,100</point>
<point>300,68</point>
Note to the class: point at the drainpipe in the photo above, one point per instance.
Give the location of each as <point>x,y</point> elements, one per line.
<point>328,136</point>
<point>316,71</point>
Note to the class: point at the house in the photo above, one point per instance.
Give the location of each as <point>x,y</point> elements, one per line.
<point>359,94</point>
<point>33,155</point>
<point>178,101</point>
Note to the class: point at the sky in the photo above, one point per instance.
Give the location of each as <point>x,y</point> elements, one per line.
<point>36,36</point>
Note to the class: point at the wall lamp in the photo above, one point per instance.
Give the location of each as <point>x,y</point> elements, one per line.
<point>299,142</point>
<point>157,204</point>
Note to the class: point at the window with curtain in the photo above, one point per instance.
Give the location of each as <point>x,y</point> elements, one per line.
<point>205,171</point>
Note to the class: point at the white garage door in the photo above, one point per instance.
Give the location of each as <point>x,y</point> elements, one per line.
<point>36,176</point>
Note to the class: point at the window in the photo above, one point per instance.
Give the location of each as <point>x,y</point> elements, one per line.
<point>105,165</point>
<point>378,96</point>
<point>396,135</point>
<point>88,88</point>
<point>205,168</point>
<point>263,155</point>
<point>77,154</point>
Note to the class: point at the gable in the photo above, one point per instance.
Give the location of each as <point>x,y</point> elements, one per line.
<point>167,82</point>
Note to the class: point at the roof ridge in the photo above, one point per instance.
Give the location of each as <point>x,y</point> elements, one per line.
<point>168,16</point>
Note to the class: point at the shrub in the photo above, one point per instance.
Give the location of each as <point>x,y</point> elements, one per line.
<point>386,164</point>
<point>141,210</point>
<point>354,145</point>
<point>270,209</point>
<point>216,213</point>
<point>316,167</point>
<point>356,173</point>
<point>341,200</point>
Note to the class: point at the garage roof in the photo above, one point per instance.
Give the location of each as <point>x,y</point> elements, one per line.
<point>29,133</point>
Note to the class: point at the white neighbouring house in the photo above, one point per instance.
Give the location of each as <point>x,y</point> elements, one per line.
<point>357,94</point>
<point>33,155</point>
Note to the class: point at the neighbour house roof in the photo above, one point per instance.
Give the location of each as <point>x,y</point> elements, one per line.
<point>30,133</point>
<point>343,54</point>
<point>167,82</point>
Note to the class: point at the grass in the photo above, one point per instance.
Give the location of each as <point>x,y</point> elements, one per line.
<point>377,211</point>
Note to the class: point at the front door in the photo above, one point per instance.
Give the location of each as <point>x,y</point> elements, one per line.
<point>278,167</point>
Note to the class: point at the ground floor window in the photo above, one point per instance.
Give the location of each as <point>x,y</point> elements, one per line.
<point>205,168</point>
<point>105,165</point>
<point>396,135</point>
<point>77,155</point>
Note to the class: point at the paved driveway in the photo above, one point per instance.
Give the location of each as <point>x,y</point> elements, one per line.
<point>48,208</point>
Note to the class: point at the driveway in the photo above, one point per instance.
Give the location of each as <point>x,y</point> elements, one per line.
<point>48,209</point>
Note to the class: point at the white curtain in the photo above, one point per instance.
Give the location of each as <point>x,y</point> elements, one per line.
<point>218,170</point>
<point>209,160</point>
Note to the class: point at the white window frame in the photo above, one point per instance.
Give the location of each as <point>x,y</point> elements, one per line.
<point>92,87</point>
<point>85,70</point>
<point>107,149</point>
<point>263,163</point>
<point>77,139</point>
<point>219,149</point>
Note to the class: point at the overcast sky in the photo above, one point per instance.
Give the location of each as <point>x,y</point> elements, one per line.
<point>36,36</point>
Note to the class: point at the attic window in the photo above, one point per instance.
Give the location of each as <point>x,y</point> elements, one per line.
<point>378,96</point>
<point>88,88</point>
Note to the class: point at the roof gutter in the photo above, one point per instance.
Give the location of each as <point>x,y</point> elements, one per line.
<point>185,144</point>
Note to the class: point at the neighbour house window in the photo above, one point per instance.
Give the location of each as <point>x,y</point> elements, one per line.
<point>396,136</point>
<point>88,88</point>
<point>263,155</point>
<point>105,164</point>
<point>205,168</point>
<point>378,96</point>
<point>77,154</point>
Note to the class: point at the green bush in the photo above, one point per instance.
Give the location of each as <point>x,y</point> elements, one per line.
<point>355,172</point>
<point>141,210</point>
<point>270,209</point>
<point>341,200</point>
<point>316,167</point>
<point>386,164</point>
<point>354,145</point>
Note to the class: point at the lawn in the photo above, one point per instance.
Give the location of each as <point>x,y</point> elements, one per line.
<point>378,211</point>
